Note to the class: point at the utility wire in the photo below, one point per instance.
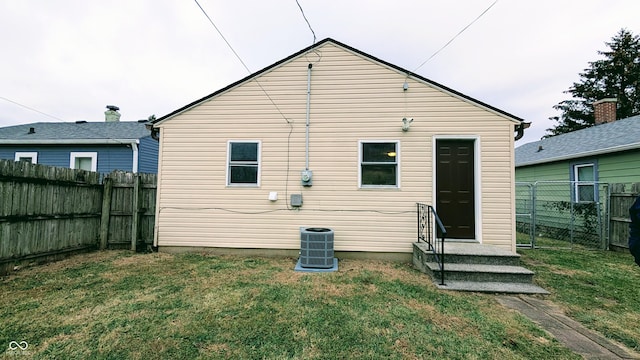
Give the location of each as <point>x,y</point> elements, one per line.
<point>240,59</point>
<point>458,34</point>
<point>85,130</point>
<point>30,108</point>
<point>308,24</point>
<point>259,212</point>
<point>223,38</point>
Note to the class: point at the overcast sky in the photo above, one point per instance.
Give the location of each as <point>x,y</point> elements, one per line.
<point>71,58</point>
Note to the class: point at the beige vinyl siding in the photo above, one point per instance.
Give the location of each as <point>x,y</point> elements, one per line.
<point>352,99</point>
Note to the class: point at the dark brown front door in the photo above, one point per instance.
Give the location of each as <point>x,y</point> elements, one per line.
<point>454,187</point>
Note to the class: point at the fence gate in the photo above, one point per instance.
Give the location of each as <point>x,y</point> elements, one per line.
<point>524,215</point>
<point>562,214</point>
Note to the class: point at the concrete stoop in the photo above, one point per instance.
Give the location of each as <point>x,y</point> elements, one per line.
<point>478,268</point>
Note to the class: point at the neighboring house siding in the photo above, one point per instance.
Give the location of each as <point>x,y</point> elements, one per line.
<point>148,155</point>
<point>623,167</point>
<point>46,155</point>
<point>110,157</point>
<point>352,99</point>
<point>558,171</point>
<point>7,153</point>
<point>553,190</point>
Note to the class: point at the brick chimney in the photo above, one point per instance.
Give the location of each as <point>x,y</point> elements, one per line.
<point>605,110</point>
<point>112,114</point>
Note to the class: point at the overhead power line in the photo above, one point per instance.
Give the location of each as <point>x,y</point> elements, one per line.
<point>307,20</point>
<point>458,34</point>
<point>30,108</point>
<point>83,129</point>
<point>240,59</point>
<point>223,38</point>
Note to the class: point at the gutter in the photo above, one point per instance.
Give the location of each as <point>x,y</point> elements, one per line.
<point>67,141</point>
<point>520,130</point>
<point>613,149</point>
<point>155,132</point>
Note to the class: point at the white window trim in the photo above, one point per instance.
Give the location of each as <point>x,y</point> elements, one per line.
<point>29,154</point>
<point>228,176</point>
<point>360,186</point>
<point>578,182</point>
<point>93,155</point>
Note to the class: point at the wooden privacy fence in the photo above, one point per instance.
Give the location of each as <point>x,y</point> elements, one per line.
<point>47,212</point>
<point>622,197</point>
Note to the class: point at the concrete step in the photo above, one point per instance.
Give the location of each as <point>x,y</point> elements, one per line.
<point>469,253</point>
<point>475,267</point>
<point>493,287</point>
<point>482,272</point>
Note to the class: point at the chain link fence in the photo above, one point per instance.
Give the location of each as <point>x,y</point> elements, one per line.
<point>562,214</point>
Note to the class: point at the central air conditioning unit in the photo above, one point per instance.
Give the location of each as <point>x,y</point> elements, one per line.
<point>316,248</point>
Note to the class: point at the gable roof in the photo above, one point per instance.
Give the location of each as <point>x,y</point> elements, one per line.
<point>74,133</point>
<point>607,138</point>
<point>356,51</point>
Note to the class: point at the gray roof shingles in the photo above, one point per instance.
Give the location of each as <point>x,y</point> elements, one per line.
<point>75,131</point>
<point>619,135</point>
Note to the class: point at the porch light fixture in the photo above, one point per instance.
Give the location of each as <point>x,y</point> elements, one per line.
<point>406,123</point>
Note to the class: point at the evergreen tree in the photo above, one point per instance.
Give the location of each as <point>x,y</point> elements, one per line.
<point>617,75</point>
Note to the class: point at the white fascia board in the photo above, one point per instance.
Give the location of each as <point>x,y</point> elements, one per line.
<point>583,154</point>
<point>69,142</point>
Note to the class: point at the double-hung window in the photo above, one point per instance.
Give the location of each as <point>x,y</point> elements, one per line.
<point>379,164</point>
<point>84,160</point>
<point>243,163</point>
<point>584,183</point>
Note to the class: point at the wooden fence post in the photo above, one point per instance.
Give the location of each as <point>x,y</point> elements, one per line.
<point>135,212</point>
<point>106,212</point>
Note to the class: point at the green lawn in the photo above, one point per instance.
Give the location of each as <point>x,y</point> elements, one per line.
<point>119,305</point>
<point>601,289</point>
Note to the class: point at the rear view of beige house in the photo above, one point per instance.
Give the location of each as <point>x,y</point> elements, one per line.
<point>335,138</point>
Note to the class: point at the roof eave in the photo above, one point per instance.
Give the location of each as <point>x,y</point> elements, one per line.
<point>609,150</point>
<point>69,141</point>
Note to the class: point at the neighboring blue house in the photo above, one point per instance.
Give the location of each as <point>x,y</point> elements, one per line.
<point>94,146</point>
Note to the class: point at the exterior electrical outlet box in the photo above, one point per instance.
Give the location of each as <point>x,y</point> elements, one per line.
<point>296,200</point>
<point>306,177</point>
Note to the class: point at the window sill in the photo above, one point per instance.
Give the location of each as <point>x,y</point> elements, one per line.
<point>380,187</point>
<point>243,186</point>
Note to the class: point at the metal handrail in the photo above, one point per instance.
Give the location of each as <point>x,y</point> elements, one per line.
<point>427,218</point>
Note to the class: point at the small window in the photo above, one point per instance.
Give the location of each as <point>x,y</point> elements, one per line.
<point>379,164</point>
<point>31,157</point>
<point>243,163</point>
<point>584,185</point>
<point>84,160</point>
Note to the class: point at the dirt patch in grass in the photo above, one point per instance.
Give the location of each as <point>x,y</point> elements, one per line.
<point>390,271</point>
<point>57,266</point>
<point>139,259</point>
<point>568,272</point>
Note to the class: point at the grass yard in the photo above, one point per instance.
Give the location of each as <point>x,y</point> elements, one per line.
<point>120,305</point>
<point>600,289</point>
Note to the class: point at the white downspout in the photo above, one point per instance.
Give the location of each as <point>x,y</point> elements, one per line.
<point>134,147</point>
